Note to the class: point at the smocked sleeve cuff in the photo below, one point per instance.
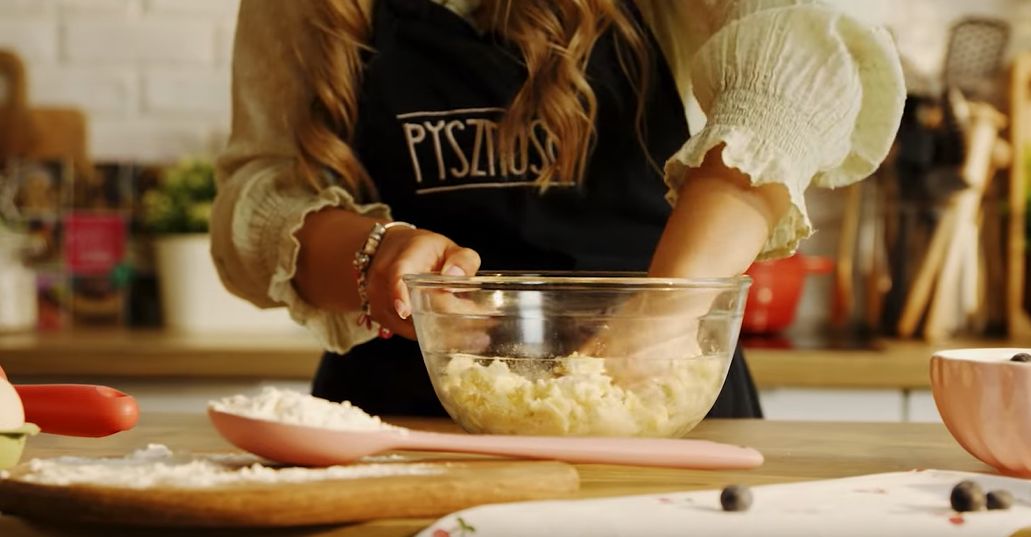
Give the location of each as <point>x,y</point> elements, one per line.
<point>276,219</point>
<point>796,96</point>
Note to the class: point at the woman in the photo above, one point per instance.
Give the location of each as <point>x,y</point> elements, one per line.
<point>524,134</point>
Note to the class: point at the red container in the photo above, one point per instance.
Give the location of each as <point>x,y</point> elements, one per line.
<point>77,409</point>
<point>775,292</point>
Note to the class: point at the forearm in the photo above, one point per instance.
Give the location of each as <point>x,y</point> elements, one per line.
<point>329,240</point>
<point>719,224</point>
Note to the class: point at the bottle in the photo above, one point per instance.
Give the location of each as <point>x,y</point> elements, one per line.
<point>18,307</point>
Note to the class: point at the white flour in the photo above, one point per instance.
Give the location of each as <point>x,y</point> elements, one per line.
<point>296,408</point>
<point>157,466</point>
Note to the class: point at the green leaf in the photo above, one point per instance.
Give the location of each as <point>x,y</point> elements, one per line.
<point>182,201</point>
<point>465,526</point>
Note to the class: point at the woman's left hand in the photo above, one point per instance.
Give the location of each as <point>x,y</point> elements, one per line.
<point>717,229</point>
<point>649,333</point>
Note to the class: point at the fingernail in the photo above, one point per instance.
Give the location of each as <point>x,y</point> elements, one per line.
<point>481,341</point>
<point>402,309</point>
<point>453,270</point>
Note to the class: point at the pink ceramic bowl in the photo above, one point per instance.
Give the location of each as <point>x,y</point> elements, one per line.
<point>985,401</point>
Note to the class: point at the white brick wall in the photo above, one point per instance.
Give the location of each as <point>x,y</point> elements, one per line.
<point>34,37</point>
<point>26,7</point>
<point>186,91</point>
<point>105,91</point>
<point>193,7</point>
<point>225,34</point>
<point>84,8</point>
<point>154,139</point>
<point>153,75</point>
<point>145,42</point>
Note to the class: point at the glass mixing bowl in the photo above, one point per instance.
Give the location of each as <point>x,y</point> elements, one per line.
<point>575,353</point>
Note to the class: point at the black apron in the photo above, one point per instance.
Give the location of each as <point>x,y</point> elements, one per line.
<point>432,93</point>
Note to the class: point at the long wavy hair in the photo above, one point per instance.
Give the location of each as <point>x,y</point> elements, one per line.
<point>555,39</point>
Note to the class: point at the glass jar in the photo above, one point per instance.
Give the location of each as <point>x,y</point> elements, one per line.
<point>18,307</point>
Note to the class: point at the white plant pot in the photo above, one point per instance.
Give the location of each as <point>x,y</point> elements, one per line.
<point>193,298</point>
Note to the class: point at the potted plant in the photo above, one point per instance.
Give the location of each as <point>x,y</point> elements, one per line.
<point>178,212</point>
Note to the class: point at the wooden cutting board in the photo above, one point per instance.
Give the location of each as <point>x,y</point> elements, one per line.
<point>458,485</point>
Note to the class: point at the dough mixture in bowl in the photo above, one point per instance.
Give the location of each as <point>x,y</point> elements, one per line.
<point>578,395</point>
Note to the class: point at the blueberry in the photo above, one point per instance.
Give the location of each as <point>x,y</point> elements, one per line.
<point>1022,357</point>
<point>967,496</point>
<point>736,498</point>
<point>999,499</point>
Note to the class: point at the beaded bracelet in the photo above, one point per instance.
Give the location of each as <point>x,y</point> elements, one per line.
<point>362,261</point>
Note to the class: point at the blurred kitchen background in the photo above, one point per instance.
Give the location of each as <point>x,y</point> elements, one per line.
<point>111,112</point>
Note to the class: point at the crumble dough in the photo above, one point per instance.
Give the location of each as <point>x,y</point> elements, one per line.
<point>578,395</point>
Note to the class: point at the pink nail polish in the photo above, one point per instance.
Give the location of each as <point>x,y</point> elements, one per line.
<point>402,309</point>
<point>453,270</point>
<point>481,341</point>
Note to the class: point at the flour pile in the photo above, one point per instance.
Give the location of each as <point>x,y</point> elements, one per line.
<point>157,466</point>
<point>294,408</point>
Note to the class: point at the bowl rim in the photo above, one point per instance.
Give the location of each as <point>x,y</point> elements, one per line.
<point>516,280</point>
<point>964,354</point>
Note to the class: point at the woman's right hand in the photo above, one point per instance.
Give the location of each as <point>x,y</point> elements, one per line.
<point>410,251</point>
<point>329,240</point>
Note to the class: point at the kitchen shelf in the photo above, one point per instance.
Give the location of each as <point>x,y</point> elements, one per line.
<point>157,354</point>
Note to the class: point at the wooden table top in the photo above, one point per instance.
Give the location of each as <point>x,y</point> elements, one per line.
<point>159,354</point>
<point>794,452</point>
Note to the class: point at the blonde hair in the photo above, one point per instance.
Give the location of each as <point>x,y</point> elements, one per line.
<point>555,39</point>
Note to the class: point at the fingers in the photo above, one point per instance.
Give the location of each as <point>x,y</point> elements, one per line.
<point>422,255</point>
<point>402,300</point>
<point>388,298</point>
<point>385,314</point>
<point>411,252</point>
<point>651,338</point>
<point>402,311</point>
<point>460,261</point>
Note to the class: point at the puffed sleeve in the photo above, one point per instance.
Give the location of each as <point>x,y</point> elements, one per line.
<point>261,203</point>
<point>796,92</point>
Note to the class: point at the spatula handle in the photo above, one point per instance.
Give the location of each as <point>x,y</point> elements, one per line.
<point>78,410</point>
<point>695,454</point>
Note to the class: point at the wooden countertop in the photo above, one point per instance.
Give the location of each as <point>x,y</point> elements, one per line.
<point>888,365</point>
<point>794,452</point>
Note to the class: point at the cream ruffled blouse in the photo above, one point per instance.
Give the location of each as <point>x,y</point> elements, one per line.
<point>798,92</point>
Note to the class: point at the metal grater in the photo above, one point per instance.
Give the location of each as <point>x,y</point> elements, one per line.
<point>977,48</point>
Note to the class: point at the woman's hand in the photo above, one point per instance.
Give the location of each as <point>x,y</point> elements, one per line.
<point>716,230</point>
<point>649,333</point>
<point>410,251</point>
<point>329,240</point>
<point>719,224</point>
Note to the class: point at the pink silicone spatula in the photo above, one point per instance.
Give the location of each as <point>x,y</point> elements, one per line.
<point>312,446</point>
